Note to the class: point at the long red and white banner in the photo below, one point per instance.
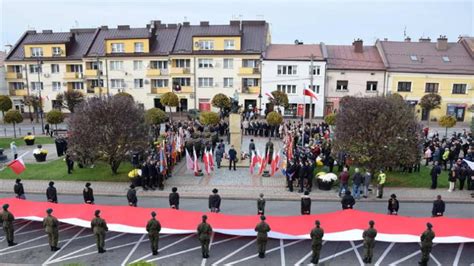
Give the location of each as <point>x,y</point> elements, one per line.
<point>346,225</point>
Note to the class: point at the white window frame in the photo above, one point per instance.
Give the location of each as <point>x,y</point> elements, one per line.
<point>179,81</point>
<point>139,47</point>
<point>206,82</point>
<point>159,83</point>
<point>341,87</point>
<point>36,51</point>
<point>56,85</point>
<point>56,51</point>
<point>137,65</point>
<point>183,63</point>
<point>287,70</point>
<point>229,44</point>
<point>228,63</point>
<point>35,85</point>
<point>77,85</point>
<point>463,85</point>
<point>18,85</point>
<point>54,68</point>
<point>35,68</point>
<point>316,70</point>
<point>118,47</point>
<point>228,82</point>
<point>117,83</point>
<point>116,65</point>
<point>206,45</point>
<point>371,89</point>
<point>205,63</point>
<point>138,83</point>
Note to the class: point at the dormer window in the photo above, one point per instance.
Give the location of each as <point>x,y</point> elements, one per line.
<point>57,51</point>
<point>446,59</point>
<point>413,58</point>
<point>139,47</point>
<point>117,48</point>
<point>36,52</point>
<point>229,44</point>
<point>206,45</point>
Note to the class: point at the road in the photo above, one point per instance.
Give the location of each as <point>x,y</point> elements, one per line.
<point>79,245</point>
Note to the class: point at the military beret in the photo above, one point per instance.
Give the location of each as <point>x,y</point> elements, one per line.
<point>97,212</point>
<point>371,222</point>
<point>88,184</point>
<point>153,214</point>
<point>215,190</point>
<point>5,206</point>
<point>263,218</point>
<point>49,211</point>
<point>51,183</point>
<point>204,217</point>
<point>18,180</point>
<point>174,189</point>
<point>317,222</point>
<point>348,192</point>
<point>429,225</point>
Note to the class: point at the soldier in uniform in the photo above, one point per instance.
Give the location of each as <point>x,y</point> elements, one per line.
<point>261,205</point>
<point>51,225</point>
<point>153,228</point>
<point>7,223</point>
<point>316,241</point>
<point>369,242</point>
<point>306,204</point>
<point>262,230</point>
<point>99,227</point>
<point>174,198</point>
<point>51,194</point>
<point>88,194</point>
<point>132,196</point>
<point>215,201</point>
<point>426,244</point>
<point>269,150</point>
<point>204,231</point>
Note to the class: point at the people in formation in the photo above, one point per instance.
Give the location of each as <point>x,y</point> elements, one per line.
<point>262,230</point>
<point>153,227</point>
<point>204,231</point>
<point>99,229</point>
<point>51,227</point>
<point>369,242</point>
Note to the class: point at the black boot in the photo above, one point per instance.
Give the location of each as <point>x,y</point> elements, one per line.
<point>369,260</point>
<point>365,260</point>
<point>203,255</point>
<point>155,253</point>
<point>56,248</point>
<point>52,248</point>
<point>11,244</point>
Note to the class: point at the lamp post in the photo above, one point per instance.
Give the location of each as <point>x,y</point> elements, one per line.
<point>38,64</point>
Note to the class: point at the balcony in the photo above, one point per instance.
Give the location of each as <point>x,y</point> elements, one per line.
<point>251,90</point>
<point>160,90</point>
<point>97,90</point>
<point>14,92</point>
<point>156,72</point>
<point>180,70</point>
<point>73,75</point>
<point>13,75</point>
<point>90,73</point>
<point>249,71</point>
<point>186,89</point>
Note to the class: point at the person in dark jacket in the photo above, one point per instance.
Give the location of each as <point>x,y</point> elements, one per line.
<point>438,207</point>
<point>215,201</point>
<point>261,205</point>
<point>88,194</point>
<point>19,190</point>
<point>343,181</point>
<point>357,180</point>
<point>153,172</point>
<point>145,176</point>
<point>174,198</point>
<point>435,172</point>
<point>51,194</point>
<point>132,196</point>
<point>305,204</point>
<point>69,163</point>
<point>232,157</point>
<point>347,201</point>
<point>301,175</point>
<point>251,148</point>
<point>393,205</point>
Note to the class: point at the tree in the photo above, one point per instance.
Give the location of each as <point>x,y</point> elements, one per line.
<point>33,101</point>
<point>279,99</point>
<point>386,135</point>
<point>107,128</point>
<point>471,109</point>
<point>447,121</point>
<point>274,118</point>
<point>169,99</point>
<point>209,118</point>
<point>13,117</point>
<point>70,99</point>
<point>430,102</point>
<point>5,104</point>
<point>55,117</point>
<point>330,119</point>
<point>155,116</point>
<point>221,101</point>
<point>125,94</point>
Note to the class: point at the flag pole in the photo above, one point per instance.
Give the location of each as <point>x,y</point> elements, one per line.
<point>304,115</point>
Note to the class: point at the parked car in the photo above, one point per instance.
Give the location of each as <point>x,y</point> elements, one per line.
<point>193,114</point>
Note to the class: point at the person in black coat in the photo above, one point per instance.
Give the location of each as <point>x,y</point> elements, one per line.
<point>51,194</point>
<point>215,201</point>
<point>153,174</point>
<point>69,163</point>
<point>19,190</point>
<point>174,198</point>
<point>145,176</point>
<point>435,172</point>
<point>393,205</point>
<point>88,194</point>
<point>132,196</point>
<point>438,207</point>
<point>232,157</point>
<point>306,204</point>
<point>347,201</point>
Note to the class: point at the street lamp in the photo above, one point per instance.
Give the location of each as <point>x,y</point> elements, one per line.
<point>38,64</point>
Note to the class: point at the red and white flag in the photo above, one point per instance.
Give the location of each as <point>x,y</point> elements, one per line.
<point>17,166</point>
<point>196,164</point>
<point>254,160</point>
<point>264,163</point>
<point>269,95</point>
<point>205,159</point>
<point>211,159</point>
<point>310,93</point>
<point>275,163</point>
<point>189,162</point>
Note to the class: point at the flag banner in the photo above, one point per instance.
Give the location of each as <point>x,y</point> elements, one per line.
<point>17,166</point>
<point>189,162</point>
<point>205,159</point>
<point>269,95</point>
<point>391,228</point>
<point>211,159</point>
<point>196,163</point>
<point>310,93</point>
<point>263,164</point>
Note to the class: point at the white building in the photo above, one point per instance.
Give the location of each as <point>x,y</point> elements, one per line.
<point>287,68</point>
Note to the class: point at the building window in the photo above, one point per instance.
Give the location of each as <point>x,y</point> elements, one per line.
<point>96,65</point>
<point>431,87</point>
<point>228,63</point>
<point>342,85</point>
<point>404,86</point>
<point>137,65</point>
<point>182,81</point>
<point>228,82</point>
<point>96,83</point>
<point>159,65</point>
<point>56,85</point>
<point>205,63</point>
<point>159,83</point>
<point>316,70</point>
<point>36,52</point>
<point>139,47</point>
<point>371,86</point>
<point>17,85</point>
<point>446,59</point>
<point>413,58</point>
<point>250,63</point>
<point>77,85</point>
<point>288,89</point>
<point>205,82</point>
<point>287,70</point>
<point>117,47</point>
<point>229,44</point>
<point>206,45</point>
<point>54,68</point>
<point>75,68</point>
<point>248,82</point>
<point>116,65</point>
<point>35,68</point>
<point>138,83</point>
<point>117,83</point>
<point>183,63</point>
<point>57,51</point>
<point>459,88</point>
<point>315,88</point>
<point>36,85</point>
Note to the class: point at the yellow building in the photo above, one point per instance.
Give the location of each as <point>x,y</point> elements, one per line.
<point>417,68</point>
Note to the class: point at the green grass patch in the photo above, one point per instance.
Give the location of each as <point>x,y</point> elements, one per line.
<point>5,142</point>
<point>57,170</point>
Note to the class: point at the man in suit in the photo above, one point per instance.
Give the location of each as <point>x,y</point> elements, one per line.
<point>232,157</point>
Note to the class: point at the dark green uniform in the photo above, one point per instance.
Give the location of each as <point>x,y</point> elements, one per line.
<point>51,224</point>
<point>369,243</point>
<point>153,228</point>
<point>262,230</point>
<point>204,232</point>
<point>316,243</point>
<point>7,224</point>
<point>426,245</point>
<point>99,227</point>
<point>261,206</point>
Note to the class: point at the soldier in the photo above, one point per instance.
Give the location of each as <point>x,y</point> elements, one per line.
<point>369,242</point>
<point>88,194</point>
<point>269,150</point>
<point>19,190</point>
<point>316,242</point>
<point>7,223</point>
<point>306,204</point>
<point>215,201</point>
<point>262,230</point>
<point>51,194</point>
<point>99,227</point>
<point>204,231</point>
<point>51,224</point>
<point>132,196</point>
<point>261,205</point>
<point>426,244</point>
<point>153,228</point>
<point>174,198</point>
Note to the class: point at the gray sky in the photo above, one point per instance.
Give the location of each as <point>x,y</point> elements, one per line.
<point>332,22</point>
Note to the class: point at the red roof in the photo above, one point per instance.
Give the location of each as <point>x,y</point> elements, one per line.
<point>294,52</point>
<point>344,57</point>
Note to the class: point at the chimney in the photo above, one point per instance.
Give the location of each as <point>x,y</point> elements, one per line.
<point>442,43</point>
<point>172,26</point>
<point>186,24</point>
<point>204,23</point>
<point>407,39</point>
<point>235,23</point>
<point>104,27</point>
<point>358,46</point>
<point>123,27</point>
<point>422,39</point>
<point>47,31</point>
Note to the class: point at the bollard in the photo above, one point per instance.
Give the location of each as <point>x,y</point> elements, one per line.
<point>5,131</point>
<point>19,130</point>
<point>34,131</point>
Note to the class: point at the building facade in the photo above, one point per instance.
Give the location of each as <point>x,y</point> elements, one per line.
<point>287,68</point>
<point>3,81</point>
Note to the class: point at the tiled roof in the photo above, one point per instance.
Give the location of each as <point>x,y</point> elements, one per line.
<point>429,59</point>
<point>184,43</point>
<point>41,38</point>
<point>345,57</point>
<point>98,47</point>
<point>468,43</point>
<point>254,36</point>
<point>164,41</point>
<point>296,52</point>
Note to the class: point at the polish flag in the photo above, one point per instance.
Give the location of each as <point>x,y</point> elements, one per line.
<point>17,166</point>
<point>196,164</point>
<point>211,159</point>
<point>263,164</point>
<point>269,95</point>
<point>254,160</point>
<point>275,163</point>
<point>310,93</point>
<point>205,159</point>
<point>189,161</point>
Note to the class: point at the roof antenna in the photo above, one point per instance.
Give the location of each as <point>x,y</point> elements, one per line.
<point>405,32</point>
